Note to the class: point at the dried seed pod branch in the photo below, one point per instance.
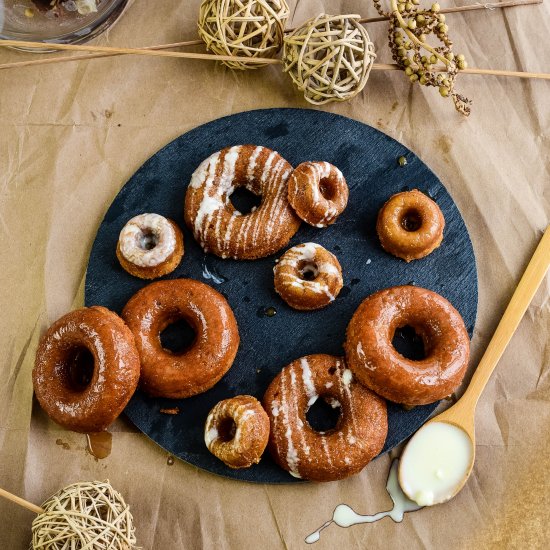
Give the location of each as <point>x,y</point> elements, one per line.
<point>409,29</point>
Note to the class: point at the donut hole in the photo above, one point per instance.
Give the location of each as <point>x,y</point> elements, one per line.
<point>308,270</point>
<point>78,369</point>
<point>327,188</point>
<point>411,220</point>
<point>148,240</point>
<point>409,343</point>
<point>226,429</point>
<point>244,200</point>
<point>178,336</point>
<point>324,415</point>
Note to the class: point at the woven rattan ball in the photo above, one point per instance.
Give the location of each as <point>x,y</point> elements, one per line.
<point>243,28</point>
<point>329,58</point>
<point>84,515</point>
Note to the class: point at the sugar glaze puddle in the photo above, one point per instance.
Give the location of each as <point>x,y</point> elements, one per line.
<point>344,516</point>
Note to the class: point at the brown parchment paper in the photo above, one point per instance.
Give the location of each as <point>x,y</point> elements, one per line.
<point>70,136</point>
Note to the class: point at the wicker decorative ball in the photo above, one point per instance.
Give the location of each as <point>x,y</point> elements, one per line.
<point>84,515</point>
<point>329,58</point>
<point>243,28</point>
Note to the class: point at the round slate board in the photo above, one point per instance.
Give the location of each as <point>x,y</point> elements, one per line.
<point>368,159</point>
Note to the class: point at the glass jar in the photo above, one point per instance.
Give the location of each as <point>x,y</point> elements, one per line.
<point>57,21</point>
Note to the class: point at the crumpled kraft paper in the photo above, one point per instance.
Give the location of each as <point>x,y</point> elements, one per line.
<point>72,134</point>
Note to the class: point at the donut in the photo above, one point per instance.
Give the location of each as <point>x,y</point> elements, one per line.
<point>308,277</point>
<point>197,368</point>
<point>221,229</point>
<point>318,192</point>
<point>237,430</point>
<point>410,225</point>
<point>150,246</point>
<point>345,450</point>
<point>86,369</point>
<point>379,366</point>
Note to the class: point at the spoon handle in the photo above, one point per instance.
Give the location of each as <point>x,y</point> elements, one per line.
<point>526,289</point>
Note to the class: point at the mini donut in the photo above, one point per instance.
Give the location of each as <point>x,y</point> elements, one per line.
<point>341,452</point>
<point>380,367</point>
<point>410,225</point>
<point>86,369</point>
<point>318,192</point>
<point>221,229</point>
<point>308,277</point>
<point>197,368</point>
<point>237,430</point>
<point>150,246</point>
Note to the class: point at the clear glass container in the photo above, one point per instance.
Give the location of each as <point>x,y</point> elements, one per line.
<point>57,21</point>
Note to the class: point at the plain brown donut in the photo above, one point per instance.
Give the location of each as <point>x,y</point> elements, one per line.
<point>318,192</point>
<point>197,368</point>
<point>237,430</point>
<point>80,391</point>
<point>410,225</point>
<point>323,456</point>
<point>217,226</point>
<point>379,366</point>
<point>308,277</point>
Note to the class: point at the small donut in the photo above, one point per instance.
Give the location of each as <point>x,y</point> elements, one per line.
<point>86,369</point>
<point>343,451</point>
<point>150,246</point>
<point>308,277</point>
<point>375,362</point>
<point>197,368</point>
<point>221,229</point>
<point>318,192</point>
<point>410,225</point>
<point>237,430</point>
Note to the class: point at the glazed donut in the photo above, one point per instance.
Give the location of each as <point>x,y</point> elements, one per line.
<point>308,277</point>
<point>380,367</point>
<point>86,369</point>
<point>150,246</point>
<point>237,430</point>
<point>410,225</point>
<point>323,456</point>
<point>215,223</point>
<point>200,366</point>
<point>318,192</point>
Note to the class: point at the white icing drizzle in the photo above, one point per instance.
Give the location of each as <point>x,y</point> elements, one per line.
<point>308,382</point>
<point>137,230</point>
<point>344,516</point>
<point>292,458</point>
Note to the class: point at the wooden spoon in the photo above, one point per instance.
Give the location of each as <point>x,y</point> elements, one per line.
<point>462,414</point>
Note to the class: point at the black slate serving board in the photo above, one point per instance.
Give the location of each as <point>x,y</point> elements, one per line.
<point>368,159</point>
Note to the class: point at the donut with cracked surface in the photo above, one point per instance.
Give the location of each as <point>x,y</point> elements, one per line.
<point>345,450</point>
<point>150,246</point>
<point>318,192</point>
<point>198,367</point>
<point>221,229</point>
<point>376,363</point>
<point>308,277</point>
<point>237,431</point>
<point>86,369</point>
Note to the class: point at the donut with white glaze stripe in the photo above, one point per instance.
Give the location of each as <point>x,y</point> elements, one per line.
<point>357,438</point>
<point>221,229</point>
<point>308,277</point>
<point>237,430</point>
<point>318,192</point>
<point>150,246</point>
